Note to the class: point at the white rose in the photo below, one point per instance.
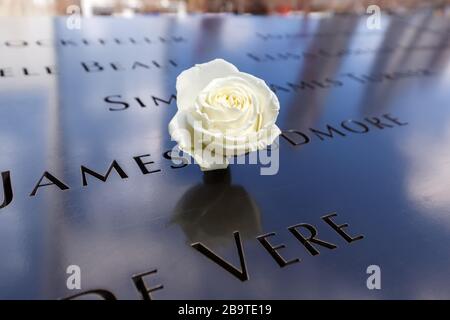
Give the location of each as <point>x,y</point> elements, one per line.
<point>222,112</point>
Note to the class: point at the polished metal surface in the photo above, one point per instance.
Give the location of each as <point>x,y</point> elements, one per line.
<point>390,183</point>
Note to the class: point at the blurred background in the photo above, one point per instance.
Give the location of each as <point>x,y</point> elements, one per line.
<point>261,7</point>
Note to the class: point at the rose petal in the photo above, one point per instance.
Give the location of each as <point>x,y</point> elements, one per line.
<point>180,131</point>
<point>207,165</point>
<point>270,105</point>
<point>263,139</point>
<point>191,81</point>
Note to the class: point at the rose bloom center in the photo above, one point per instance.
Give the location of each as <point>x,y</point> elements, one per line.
<point>233,98</point>
<point>229,104</point>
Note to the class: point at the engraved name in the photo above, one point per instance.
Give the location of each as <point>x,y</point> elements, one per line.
<point>306,234</point>
<point>147,165</point>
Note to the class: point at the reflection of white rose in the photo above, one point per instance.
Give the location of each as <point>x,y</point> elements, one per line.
<point>222,112</point>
